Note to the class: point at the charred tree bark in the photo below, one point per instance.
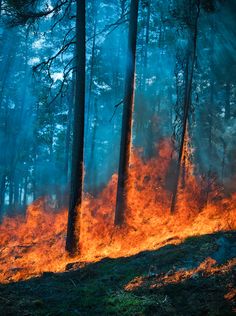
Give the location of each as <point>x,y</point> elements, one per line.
<point>187,104</point>
<point>184,130</point>
<point>73,228</point>
<point>121,198</point>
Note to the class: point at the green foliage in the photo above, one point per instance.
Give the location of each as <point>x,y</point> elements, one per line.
<point>127,303</point>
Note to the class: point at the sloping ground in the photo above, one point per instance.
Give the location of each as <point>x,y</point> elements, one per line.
<point>196,277</point>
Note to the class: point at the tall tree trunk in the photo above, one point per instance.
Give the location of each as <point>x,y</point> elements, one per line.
<point>187,103</point>
<point>71,101</point>
<point>73,228</point>
<point>146,42</point>
<point>121,198</point>
<point>92,67</point>
<point>25,191</point>
<point>62,193</point>
<point>92,104</point>
<point>92,161</point>
<point>67,146</point>
<point>20,194</point>
<point>182,141</point>
<point>211,112</point>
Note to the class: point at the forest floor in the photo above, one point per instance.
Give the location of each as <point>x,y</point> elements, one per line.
<point>196,277</point>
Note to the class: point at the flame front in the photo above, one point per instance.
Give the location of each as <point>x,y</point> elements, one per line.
<point>32,245</point>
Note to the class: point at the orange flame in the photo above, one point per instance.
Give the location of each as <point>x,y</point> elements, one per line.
<point>206,268</point>
<point>32,245</point>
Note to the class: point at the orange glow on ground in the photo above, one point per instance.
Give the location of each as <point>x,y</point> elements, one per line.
<point>206,268</point>
<point>35,244</point>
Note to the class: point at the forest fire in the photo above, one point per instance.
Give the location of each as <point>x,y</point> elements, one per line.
<point>35,244</point>
<point>206,268</point>
<point>117,157</point>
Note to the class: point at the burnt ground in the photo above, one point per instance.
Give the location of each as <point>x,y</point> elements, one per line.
<point>171,284</point>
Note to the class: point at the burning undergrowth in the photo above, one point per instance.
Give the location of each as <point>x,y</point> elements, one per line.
<point>34,244</point>
<point>206,269</point>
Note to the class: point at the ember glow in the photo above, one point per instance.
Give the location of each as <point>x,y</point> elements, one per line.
<point>206,268</point>
<point>35,243</point>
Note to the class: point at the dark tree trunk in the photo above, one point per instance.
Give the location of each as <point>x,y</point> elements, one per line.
<point>183,135</point>
<point>121,198</point>
<point>25,191</point>
<point>211,113</point>
<point>187,103</point>
<point>211,117</point>
<point>73,228</point>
